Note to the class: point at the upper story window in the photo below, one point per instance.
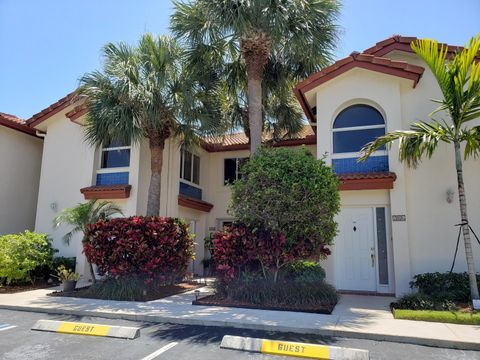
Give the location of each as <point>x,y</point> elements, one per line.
<point>356,126</point>
<point>231,169</point>
<point>189,166</point>
<point>114,163</point>
<point>115,154</point>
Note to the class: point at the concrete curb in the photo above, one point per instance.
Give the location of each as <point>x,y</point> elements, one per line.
<point>121,332</point>
<point>458,344</point>
<point>311,351</point>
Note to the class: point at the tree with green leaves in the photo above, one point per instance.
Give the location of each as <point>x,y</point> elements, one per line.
<point>81,215</point>
<point>459,82</point>
<point>272,38</point>
<point>142,93</point>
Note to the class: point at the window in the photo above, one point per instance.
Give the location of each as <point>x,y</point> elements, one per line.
<point>114,163</point>
<point>231,169</point>
<point>115,154</point>
<point>356,126</point>
<point>189,166</point>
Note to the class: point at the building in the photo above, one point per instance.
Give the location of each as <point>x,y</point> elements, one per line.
<point>20,162</point>
<point>395,222</point>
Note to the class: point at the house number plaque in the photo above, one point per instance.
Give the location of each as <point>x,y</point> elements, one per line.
<point>399,218</point>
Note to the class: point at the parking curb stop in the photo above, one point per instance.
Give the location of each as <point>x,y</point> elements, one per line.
<point>66,327</point>
<point>303,350</point>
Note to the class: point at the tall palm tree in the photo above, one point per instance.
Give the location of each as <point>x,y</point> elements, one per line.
<point>140,93</point>
<point>296,37</point>
<point>459,81</point>
<point>81,215</point>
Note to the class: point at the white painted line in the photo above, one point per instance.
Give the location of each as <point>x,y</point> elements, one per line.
<point>6,327</point>
<point>159,351</point>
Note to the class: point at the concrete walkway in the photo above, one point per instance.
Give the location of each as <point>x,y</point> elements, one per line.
<point>365,317</point>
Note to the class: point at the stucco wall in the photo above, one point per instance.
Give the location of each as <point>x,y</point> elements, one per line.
<point>426,241</point>
<point>20,161</point>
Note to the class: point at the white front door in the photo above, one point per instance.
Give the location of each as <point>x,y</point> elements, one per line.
<point>355,250</point>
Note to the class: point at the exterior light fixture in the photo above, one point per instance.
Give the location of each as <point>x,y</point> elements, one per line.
<point>450,195</point>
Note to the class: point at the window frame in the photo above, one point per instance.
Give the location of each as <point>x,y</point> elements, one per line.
<point>345,155</point>
<point>192,167</point>
<point>101,170</point>
<point>237,163</point>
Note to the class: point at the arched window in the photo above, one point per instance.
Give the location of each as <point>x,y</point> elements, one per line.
<point>356,126</point>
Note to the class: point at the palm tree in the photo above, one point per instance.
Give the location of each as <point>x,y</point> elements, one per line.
<point>459,81</point>
<point>142,93</point>
<point>296,37</point>
<point>81,215</point>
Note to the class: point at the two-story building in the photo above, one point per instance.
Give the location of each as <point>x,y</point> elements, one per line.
<point>394,222</point>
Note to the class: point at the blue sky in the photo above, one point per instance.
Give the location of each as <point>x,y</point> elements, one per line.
<point>47,45</point>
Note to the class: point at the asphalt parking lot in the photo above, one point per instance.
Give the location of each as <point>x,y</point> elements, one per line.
<point>171,341</point>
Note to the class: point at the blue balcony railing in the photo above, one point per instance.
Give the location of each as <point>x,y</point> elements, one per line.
<point>117,178</point>
<point>190,190</point>
<point>350,165</point>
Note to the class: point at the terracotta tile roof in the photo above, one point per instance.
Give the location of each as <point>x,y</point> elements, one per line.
<point>15,123</point>
<point>402,43</point>
<point>372,175</point>
<point>366,61</point>
<point>106,192</point>
<point>366,181</point>
<point>239,141</point>
<point>52,109</point>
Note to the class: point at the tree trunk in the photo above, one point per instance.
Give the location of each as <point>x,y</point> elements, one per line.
<point>90,265</point>
<point>464,218</point>
<point>92,273</point>
<point>156,154</point>
<point>255,48</point>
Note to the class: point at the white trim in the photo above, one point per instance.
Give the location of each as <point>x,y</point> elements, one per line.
<point>355,128</point>
<point>350,155</point>
<point>182,166</point>
<point>113,170</point>
<point>116,148</point>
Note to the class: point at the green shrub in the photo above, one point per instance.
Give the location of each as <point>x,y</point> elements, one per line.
<point>125,288</point>
<point>449,286</point>
<point>421,301</point>
<point>304,271</point>
<point>22,255</point>
<point>289,191</point>
<point>252,289</point>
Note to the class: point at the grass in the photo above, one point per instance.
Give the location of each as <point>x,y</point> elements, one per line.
<point>454,317</point>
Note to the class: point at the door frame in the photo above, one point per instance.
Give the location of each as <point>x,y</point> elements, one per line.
<point>378,288</point>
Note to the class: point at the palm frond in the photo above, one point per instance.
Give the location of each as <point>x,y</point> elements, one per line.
<point>421,140</point>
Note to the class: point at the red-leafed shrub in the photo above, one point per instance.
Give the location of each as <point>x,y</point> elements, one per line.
<point>153,248</point>
<point>240,249</point>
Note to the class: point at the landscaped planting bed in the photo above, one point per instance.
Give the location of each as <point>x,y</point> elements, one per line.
<point>454,317</point>
<point>97,292</point>
<point>440,297</point>
<point>12,289</point>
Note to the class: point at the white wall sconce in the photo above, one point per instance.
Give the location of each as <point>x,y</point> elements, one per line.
<point>450,195</point>
<point>53,206</point>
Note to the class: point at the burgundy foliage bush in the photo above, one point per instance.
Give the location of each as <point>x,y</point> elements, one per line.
<point>240,248</point>
<point>153,248</point>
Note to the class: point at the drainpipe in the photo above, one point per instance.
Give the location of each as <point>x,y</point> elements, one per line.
<point>40,134</point>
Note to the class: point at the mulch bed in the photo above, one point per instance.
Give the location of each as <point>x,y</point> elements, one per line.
<point>215,300</point>
<point>158,293</point>
<point>12,289</point>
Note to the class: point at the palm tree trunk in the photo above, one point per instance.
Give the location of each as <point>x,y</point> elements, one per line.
<point>90,265</point>
<point>255,48</point>
<point>466,230</point>
<point>254,95</point>
<point>156,154</point>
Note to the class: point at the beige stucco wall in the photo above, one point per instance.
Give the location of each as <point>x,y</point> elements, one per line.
<point>20,162</point>
<point>426,241</point>
<point>68,165</point>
